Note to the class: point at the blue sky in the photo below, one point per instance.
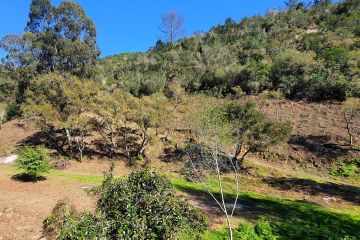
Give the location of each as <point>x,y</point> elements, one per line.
<point>132,25</point>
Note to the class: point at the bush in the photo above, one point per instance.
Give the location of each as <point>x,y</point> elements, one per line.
<point>65,223</point>
<point>143,206</point>
<point>349,169</point>
<point>12,111</point>
<point>33,161</point>
<point>261,231</point>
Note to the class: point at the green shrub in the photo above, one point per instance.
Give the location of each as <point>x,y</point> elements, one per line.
<point>12,111</point>
<point>264,230</point>
<point>246,231</point>
<point>143,206</point>
<point>347,169</point>
<point>33,161</point>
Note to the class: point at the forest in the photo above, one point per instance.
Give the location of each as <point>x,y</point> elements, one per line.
<point>250,130</point>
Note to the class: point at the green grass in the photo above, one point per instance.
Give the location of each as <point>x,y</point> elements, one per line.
<point>291,219</point>
<point>63,175</point>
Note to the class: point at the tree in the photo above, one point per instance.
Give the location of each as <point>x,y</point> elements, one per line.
<point>291,4</point>
<point>53,98</point>
<point>80,126</point>
<point>56,39</point>
<point>172,24</point>
<point>320,3</point>
<point>2,115</point>
<point>220,127</point>
<point>351,113</point>
<point>33,161</point>
<point>208,158</point>
<point>249,130</point>
<point>112,110</point>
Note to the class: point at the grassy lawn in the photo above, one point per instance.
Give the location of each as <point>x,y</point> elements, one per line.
<point>291,219</point>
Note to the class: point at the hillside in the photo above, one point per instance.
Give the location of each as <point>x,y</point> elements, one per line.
<point>309,53</point>
<point>248,131</point>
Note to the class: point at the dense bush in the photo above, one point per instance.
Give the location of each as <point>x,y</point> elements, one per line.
<point>33,161</point>
<point>143,206</point>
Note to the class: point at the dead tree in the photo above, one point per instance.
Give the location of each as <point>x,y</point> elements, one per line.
<point>172,25</point>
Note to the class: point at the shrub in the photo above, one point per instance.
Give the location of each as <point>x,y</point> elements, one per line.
<point>12,111</point>
<point>65,223</point>
<point>33,161</point>
<point>261,231</point>
<point>349,169</point>
<point>143,206</point>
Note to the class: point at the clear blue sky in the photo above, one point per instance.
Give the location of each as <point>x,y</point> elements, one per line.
<point>132,25</point>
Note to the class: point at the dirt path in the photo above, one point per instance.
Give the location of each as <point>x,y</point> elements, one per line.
<point>23,206</point>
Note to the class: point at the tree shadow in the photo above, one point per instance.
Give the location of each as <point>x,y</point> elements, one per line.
<point>55,142</point>
<point>172,155</point>
<point>27,178</point>
<point>345,192</point>
<point>319,145</point>
<point>292,219</point>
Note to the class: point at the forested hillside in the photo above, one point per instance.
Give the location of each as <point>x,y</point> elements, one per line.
<point>306,52</point>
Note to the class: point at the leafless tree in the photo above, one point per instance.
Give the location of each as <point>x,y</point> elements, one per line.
<point>208,161</point>
<point>351,113</point>
<point>172,24</point>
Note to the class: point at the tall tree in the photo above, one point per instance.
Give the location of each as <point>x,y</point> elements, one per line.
<point>56,39</point>
<point>172,24</point>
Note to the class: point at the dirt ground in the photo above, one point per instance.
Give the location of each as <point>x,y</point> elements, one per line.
<point>24,205</point>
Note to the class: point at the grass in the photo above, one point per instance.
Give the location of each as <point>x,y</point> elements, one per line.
<point>7,150</point>
<point>291,219</point>
<point>75,177</point>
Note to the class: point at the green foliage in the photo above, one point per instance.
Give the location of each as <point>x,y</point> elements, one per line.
<point>289,218</point>
<point>143,206</point>
<point>33,161</point>
<point>12,111</point>
<point>242,126</point>
<point>349,169</point>
<point>246,231</point>
<point>307,52</point>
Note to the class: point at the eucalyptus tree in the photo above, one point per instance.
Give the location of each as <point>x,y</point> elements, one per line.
<point>59,38</point>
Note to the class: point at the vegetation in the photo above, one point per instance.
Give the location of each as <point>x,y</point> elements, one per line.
<point>143,206</point>
<point>116,107</point>
<point>306,52</point>
<point>33,161</point>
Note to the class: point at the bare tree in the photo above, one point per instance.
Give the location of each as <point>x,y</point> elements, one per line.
<point>208,160</point>
<point>172,24</point>
<point>351,113</point>
<point>208,163</point>
<point>2,115</point>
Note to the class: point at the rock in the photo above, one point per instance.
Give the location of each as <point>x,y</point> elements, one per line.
<point>8,211</point>
<point>8,160</point>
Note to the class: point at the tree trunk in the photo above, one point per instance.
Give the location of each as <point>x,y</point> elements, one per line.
<point>68,136</point>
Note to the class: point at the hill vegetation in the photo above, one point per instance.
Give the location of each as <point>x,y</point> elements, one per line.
<point>206,111</point>
<point>305,52</point>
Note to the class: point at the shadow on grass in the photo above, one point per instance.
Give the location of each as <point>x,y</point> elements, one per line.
<point>27,178</point>
<point>342,191</point>
<point>292,219</point>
